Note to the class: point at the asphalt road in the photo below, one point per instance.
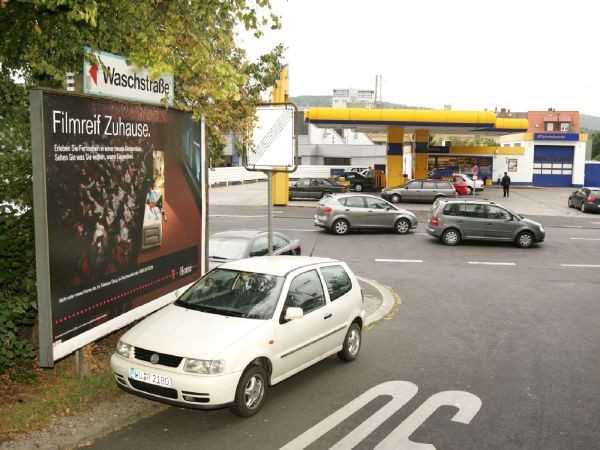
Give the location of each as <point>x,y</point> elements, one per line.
<point>492,347</point>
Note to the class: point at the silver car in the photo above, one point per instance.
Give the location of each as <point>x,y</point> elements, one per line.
<point>340,213</point>
<point>420,191</point>
<point>454,220</point>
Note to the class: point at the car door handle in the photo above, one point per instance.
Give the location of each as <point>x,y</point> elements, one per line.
<point>327,316</point>
<point>346,209</point>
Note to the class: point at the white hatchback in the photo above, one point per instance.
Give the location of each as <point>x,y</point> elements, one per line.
<point>244,326</point>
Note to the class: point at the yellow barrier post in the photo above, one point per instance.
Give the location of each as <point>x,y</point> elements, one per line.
<point>394,159</point>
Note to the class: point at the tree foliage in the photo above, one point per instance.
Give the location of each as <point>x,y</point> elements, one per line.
<point>596,145</point>
<point>41,40</point>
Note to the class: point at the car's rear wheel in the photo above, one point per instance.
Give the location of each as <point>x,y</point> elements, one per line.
<point>395,198</point>
<point>470,190</point>
<point>251,392</point>
<point>525,239</point>
<point>325,194</point>
<point>402,226</point>
<point>358,187</point>
<point>451,237</point>
<point>437,197</point>
<point>351,345</point>
<point>583,209</point>
<point>340,226</point>
<point>570,203</point>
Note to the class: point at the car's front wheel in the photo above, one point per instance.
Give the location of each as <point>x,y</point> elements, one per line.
<point>251,392</point>
<point>525,239</point>
<point>352,342</point>
<point>325,194</point>
<point>402,226</point>
<point>340,226</point>
<point>451,237</point>
<point>570,203</point>
<point>395,198</point>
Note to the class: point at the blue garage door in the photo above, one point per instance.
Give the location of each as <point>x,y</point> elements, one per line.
<point>553,165</point>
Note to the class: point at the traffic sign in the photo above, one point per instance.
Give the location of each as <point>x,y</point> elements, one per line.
<point>475,169</point>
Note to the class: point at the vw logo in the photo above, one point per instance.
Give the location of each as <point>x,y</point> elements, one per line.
<point>154,358</point>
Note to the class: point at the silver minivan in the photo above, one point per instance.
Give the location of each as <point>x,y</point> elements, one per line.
<point>452,221</point>
<point>420,191</point>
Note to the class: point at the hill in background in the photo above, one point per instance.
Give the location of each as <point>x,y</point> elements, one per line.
<point>589,123</point>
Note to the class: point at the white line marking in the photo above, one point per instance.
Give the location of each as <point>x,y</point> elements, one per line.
<point>483,263</point>
<point>568,226</point>
<point>422,234</point>
<point>596,223</point>
<point>297,229</point>
<point>581,265</point>
<point>400,260</point>
<point>586,239</point>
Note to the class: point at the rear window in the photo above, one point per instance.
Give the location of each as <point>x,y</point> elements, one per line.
<point>352,202</point>
<point>337,280</point>
<point>444,185</point>
<point>452,209</point>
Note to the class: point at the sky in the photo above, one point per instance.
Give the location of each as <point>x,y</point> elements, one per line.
<point>522,55</point>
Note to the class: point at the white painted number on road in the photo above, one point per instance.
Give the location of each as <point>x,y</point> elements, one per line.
<point>401,392</point>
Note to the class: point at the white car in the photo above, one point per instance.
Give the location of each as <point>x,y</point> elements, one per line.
<point>242,327</point>
<point>467,179</point>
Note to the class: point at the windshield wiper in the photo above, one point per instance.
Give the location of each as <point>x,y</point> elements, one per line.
<point>195,307</point>
<point>216,257</point>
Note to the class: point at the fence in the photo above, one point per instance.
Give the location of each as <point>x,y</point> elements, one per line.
<point>224,176</point>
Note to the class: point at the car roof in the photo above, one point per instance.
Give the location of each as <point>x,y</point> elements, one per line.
<point>275,265</point>
<point>247,234</point>
<point>466,200</point>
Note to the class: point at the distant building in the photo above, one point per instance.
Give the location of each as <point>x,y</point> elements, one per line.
<point>348,98</point>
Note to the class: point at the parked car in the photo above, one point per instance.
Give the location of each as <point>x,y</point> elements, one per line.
<point>586,198</point>
<point>468,180</point>
<point>340,213</point>
<point>455,220</point>
<point>230,245</point>
<point>360,181</point>
<point>314,188</point>
<point>462,189</point>
<point>242,327</point>
<point>420,191</point>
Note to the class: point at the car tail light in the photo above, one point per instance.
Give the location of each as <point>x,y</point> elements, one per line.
<point>434,221</point>
<point>327,209</point>
<point>345,189</point>
<point>591,199</point>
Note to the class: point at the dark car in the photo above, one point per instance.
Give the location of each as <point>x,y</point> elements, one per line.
<point>359,181</point>
<point>340,213</point>
<point>315,188</point>
<point>586,198</point>
<point>237,244</point>
<point>455,220</point>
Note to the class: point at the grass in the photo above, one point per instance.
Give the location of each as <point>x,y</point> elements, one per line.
<point>32,398</point>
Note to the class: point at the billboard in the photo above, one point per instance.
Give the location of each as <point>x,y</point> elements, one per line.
<point>120,213</point>
<point>115,78</point>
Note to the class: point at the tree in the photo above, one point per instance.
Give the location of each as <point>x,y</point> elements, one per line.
<point>596,145</point>
<point>41,40</point>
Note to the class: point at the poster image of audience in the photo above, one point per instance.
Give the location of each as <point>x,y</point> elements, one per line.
<point>106,207</point>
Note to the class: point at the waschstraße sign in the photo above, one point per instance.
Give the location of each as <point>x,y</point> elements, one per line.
<point>115,78</point>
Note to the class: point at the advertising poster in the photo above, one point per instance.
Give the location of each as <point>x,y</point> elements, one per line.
<point>120,213</point>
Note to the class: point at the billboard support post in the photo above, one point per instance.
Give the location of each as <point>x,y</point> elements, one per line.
<point>270,212</point>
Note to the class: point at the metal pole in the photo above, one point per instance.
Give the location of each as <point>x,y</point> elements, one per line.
<point>270,212</point>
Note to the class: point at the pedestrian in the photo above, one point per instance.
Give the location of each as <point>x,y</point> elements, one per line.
<point>505,184</point>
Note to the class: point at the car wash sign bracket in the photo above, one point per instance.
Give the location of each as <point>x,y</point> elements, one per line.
<point>113,77</point>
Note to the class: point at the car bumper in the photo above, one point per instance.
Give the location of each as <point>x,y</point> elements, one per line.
<point>322,221</point>
<point>592,206</point>
<point>435,232</point>
<point>186,389</point>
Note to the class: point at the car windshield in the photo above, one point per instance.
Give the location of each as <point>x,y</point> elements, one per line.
<point>234,293</point>
<point>228,247</point>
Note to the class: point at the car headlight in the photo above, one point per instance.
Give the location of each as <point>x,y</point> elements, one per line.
<point>125,350</point>
<point>541,228</point>
<point>207,367</point>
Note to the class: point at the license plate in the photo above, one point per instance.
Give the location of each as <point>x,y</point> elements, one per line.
<point>148,377</point>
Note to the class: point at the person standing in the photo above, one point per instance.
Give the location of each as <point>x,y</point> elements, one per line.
<point>505,184</point>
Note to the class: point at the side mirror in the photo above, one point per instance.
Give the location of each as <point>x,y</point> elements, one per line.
<point>293,313</point>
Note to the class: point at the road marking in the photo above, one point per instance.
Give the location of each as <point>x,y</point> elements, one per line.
<point>422,234</point>
<point>596,223</point>
<point>484,263</point>
<point>400,260</point>
<point>586,239</point>
<point>297,229</point>
<point>564,226</point>
<point>401,392</point>
<point>581,265</point>
<point>242,216</point>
